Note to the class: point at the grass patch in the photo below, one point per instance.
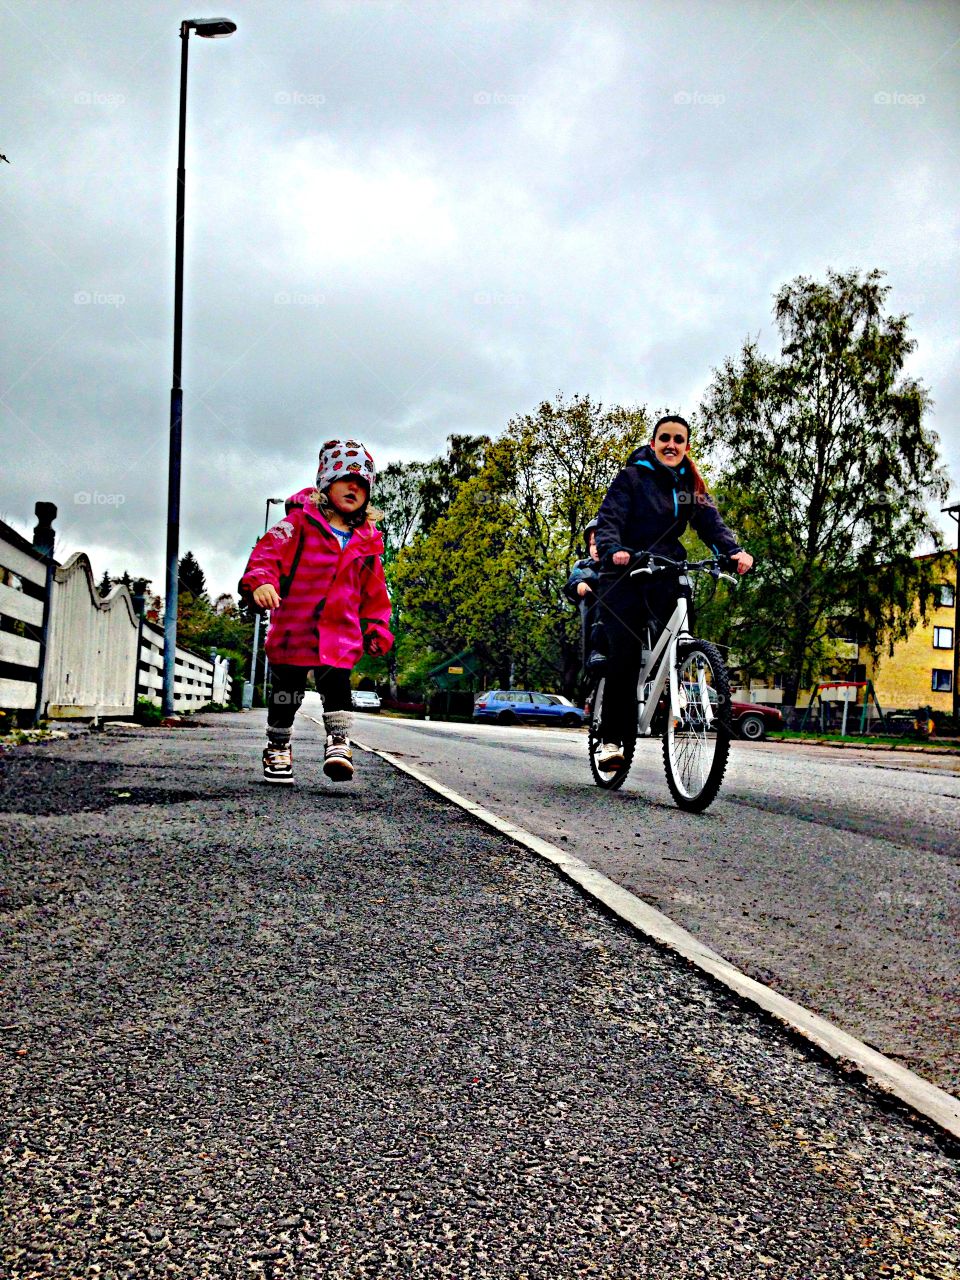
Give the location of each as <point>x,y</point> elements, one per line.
<point>856,739</point>
<point>147,712</point>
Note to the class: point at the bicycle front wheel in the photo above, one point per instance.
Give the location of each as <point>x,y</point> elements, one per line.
<point>697,743</point>
<point>610,779</point>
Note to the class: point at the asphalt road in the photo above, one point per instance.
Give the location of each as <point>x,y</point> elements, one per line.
<point>832,876</point>
<point>343,1032</point>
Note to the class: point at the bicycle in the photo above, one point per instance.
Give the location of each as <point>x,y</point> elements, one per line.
<point>683,695</point>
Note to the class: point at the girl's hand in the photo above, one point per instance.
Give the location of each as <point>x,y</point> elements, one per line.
<point>743,560</point>
<point>584,589</point>
<point>266,597</point>
<point>373,646</point>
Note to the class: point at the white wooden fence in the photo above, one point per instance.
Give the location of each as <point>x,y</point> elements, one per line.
<point>196,680</point>
<point>23,612</point>
<point>67,654</point>
<point>91,647</point>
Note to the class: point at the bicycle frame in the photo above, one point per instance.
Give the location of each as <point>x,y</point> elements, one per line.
<point>660,668</point>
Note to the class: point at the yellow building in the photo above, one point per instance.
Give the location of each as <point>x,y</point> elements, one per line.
<point>919,673</point>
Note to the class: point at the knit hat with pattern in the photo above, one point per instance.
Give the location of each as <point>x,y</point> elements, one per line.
<point>345,460</point>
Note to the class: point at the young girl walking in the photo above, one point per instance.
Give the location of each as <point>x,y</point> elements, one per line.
<point>319,572</point>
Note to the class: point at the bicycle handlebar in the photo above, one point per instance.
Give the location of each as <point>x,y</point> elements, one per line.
<point>651,562</point>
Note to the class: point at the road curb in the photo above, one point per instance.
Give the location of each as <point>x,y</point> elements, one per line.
<point>926,1100</point>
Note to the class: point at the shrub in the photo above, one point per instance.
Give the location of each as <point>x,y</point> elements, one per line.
<point>147,712</point>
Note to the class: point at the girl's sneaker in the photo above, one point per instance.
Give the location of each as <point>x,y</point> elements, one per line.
<point>278,762</point>
<point>338,758</point>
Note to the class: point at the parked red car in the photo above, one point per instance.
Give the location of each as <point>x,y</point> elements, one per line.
<point>753,721</point>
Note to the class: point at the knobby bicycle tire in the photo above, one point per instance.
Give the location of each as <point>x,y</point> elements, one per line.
<point>616,778</point>
<point>694,781</point>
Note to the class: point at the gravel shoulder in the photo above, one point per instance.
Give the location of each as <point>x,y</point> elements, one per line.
<point>831,876</point>
<point>347,1032</point>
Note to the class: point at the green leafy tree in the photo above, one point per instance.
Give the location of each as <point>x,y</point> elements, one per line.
<point>412,497</point>
<point>399,495</point>
<point>190,577</point>
<point>488,575</point>
<point>828,472</point>
<point>138,587</point>
<point>444,476</point>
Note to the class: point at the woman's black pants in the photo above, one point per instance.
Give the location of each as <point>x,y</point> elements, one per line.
<point>626,610</point>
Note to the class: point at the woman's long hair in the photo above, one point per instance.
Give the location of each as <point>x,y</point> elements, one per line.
<point>700,493</point>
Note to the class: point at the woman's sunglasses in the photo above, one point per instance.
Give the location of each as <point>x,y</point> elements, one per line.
<point>666,437</point>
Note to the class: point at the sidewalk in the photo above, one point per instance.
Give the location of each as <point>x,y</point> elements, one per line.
<point>345,1031</point>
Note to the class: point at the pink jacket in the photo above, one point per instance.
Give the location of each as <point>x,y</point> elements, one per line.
<point>336,597</point>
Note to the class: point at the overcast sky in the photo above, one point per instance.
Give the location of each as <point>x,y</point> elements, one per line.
<point>408,219</point>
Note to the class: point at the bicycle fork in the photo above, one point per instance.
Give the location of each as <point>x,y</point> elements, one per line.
<point>661,662</point>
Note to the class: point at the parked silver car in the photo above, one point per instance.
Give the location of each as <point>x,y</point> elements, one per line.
<point>365,700</point>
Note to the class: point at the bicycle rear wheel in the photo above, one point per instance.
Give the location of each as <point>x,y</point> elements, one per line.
<point>696,746</point>
<point>612,779</point>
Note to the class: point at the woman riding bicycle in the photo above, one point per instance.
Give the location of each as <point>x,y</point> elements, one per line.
<point>648,508</point>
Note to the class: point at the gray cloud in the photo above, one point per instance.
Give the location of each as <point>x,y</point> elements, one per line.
<point>409,219</point>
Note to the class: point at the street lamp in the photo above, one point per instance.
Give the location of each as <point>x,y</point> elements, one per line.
<point>210,29</point>
<point>248,692</point>
<point>954,514</point>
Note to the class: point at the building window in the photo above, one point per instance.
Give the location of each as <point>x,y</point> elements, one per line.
<point>945,597</point>
<point>942,682</point>
<point>943,637</point>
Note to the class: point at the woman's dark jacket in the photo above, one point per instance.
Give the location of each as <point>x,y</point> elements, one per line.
<point>648,507</point>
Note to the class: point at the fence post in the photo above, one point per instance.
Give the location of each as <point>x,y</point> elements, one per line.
<point>44,539</point>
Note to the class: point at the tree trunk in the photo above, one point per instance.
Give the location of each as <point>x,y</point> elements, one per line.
<point>791,687</point>
<point>571,675</point>
<point>392,674</point>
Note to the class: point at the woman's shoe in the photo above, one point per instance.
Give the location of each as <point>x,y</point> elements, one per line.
<point>610,757</point>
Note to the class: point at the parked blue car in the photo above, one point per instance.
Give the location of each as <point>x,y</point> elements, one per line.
<point>517,706</point>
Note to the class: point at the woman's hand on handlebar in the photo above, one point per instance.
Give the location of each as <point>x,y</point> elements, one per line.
<point>743,560</point>
<point>621,557</point>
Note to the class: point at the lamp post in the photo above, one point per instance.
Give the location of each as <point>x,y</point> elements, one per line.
<point>248,692</point>
<point>954,514</point>
<point>210,29</point>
